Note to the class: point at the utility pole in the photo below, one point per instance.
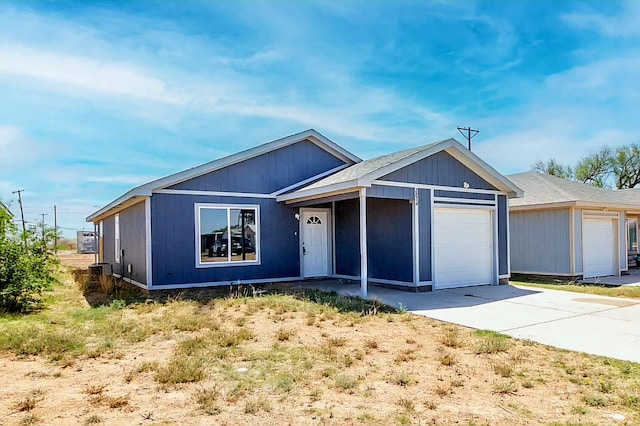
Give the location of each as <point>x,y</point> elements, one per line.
<point>55,227</point>
<point>24,224</point>
<point>470,134</point>
<point>43,215</point>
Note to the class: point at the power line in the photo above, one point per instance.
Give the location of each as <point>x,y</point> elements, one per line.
<point>469,134</point>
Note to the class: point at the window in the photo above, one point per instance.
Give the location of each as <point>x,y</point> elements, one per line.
<point>314,220</point>
<point>227,235</point>
<point>632,234</point>
<point>116,234</point>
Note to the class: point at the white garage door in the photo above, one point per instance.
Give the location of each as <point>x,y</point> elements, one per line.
<point>463,248</point>
<point>598,247</point>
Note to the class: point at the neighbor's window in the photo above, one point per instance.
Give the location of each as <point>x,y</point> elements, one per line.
<point>116,234</point>
<point>227,234</point>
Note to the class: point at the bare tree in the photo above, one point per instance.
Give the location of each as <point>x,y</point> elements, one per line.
<point>552,167</point>
<point>626,166</point>
<point>594,169</point>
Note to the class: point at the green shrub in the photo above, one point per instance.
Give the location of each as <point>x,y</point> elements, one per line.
<point>26,266</point>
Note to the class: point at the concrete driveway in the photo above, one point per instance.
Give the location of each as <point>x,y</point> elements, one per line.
<point>587,323</point>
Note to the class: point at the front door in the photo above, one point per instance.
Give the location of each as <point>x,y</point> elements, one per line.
<point>315,243</point>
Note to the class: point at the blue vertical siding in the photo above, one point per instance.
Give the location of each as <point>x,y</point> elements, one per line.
<point>174,246</point>
<point>382,191</point>
<point>133,242</point>
<point>424,239</point>
<point>389,239</point>
<point>503,247</point>
<point>438,169</point>
<point>347,230</point>
<point>268,172</point>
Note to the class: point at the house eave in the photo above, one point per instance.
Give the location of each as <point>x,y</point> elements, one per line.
<point>576,203</point>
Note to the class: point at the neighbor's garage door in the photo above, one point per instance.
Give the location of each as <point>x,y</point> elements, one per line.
<point>463,248</point>
<point>598,247</point>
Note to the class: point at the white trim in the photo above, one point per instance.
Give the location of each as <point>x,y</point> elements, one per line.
<point>496,242</point>
<point>432,211</point>
<point>572,242</point>
<point>197,241</point>
<point>213,193</point>
<point>416,237</point>
<point>363,242</point>
<point>308,180</point>
<point>333,238</point>
<point>508,219</point>
<point>324,191</point>
<point>223,283</point>
<point>147,233</point>
<point>464,206</point>
<point>407,284</point>
<point>130,281</point>
<point>346,277</point>
<point>451,200</point>
<point>435,187</point>
<point>426,283</point>
<point>301,210</point>
<point>148,188</point>
<point>504,276</point>
<point>117,243</point>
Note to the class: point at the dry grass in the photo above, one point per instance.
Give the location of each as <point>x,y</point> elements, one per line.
<point>601,290</point>
<point>302,358</point>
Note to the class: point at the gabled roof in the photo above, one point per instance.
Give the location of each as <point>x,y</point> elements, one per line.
<point>546,191</point>
<point>138,193</point>
<point>364,173</point>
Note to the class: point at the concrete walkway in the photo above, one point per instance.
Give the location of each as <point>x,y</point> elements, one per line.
<point>633,279</point>
<point>597,325</point>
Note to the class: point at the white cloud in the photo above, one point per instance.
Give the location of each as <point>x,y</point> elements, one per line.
<point>625,23</point>
<point>86,73</point>
<point>119,179</point>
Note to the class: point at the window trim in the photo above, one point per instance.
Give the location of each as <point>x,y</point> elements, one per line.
<point>116,237</point>
<point>197,243</point>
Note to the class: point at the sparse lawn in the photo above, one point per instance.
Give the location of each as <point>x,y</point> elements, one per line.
<point>287,358</point>
<point>623,291</point>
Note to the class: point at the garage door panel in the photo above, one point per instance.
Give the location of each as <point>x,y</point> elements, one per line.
<point>463,247</point>
<point>598,247</point>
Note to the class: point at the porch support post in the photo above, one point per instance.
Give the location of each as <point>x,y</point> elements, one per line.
<point>363,242</point>
<point>416,239</point>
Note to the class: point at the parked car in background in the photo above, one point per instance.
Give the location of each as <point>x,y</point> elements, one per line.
<point>220,247</point>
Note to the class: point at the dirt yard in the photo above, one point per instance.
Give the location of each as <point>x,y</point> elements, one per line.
<point>291,360</point>
<point>75,260</point>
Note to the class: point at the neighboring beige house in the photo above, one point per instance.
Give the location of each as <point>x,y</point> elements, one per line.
<point>565,228</point>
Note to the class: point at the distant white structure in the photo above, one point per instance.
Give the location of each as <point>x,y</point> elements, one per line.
<point>87,242</point>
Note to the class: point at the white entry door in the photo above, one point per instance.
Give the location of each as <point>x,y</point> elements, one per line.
<point>598,247</point>
<point>463,247</point>
<point>315,243</point>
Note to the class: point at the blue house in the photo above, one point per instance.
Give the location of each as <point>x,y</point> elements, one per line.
<point>300,207</point>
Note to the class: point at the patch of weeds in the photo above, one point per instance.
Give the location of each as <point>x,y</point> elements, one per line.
<point>457,383</point>
<point>93,419</point>
<point>284,382</point>
<point>448,359</point>
<point>116,401</point>
<point>450,337</point>
<point>490,342</point>
<point>605,386</point>
<point>443,391</point>
<point>207,398</point>
<point>29,402</point>
<point>407,404</point>
<point>254,405</point>
<point>503,369</point>
<point>430,405</point>
<point>285,334</point>
<point>403,419</point>
<point>328,372</point>
<point>315,395</point>
<point>345,382</point>
<point>181,370</point>
<point>410,341</point>
<point>405,356</point>
<point>366,418</point>
<point>505,388</point>
<point>347,360</point>
<point>371,344</point>
<point>402,378</point>
<point>94,389</point>
<point>527,384</point>
<point>580,410</point>
<point>337,342</point>
<point>595,400</point>
<point>30,419</point>
<point>631,401</point>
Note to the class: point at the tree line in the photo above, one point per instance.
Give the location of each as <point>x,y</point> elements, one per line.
<point>609,167</point>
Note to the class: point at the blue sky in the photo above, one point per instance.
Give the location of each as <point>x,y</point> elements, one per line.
<point>100,96</point>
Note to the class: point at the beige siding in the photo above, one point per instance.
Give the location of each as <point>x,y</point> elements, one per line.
<point>540,241</point>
